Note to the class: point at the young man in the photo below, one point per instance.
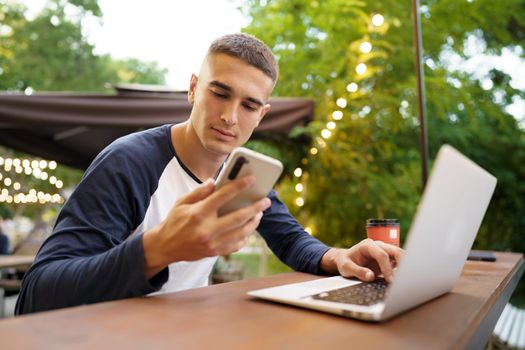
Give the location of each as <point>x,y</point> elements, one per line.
<point>142,220</point>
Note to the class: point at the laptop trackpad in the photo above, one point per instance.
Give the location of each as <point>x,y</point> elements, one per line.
<point>307,289</point>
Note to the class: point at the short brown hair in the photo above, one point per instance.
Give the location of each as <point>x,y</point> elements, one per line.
<point>249,49</point>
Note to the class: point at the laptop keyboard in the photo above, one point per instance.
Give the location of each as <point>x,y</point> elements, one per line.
<point>368,293</point>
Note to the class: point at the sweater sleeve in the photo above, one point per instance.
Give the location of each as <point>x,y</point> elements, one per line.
<point>93,255</point>
<point>288,240</point>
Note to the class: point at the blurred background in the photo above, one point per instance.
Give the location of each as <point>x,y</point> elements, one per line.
<point>359,158</point>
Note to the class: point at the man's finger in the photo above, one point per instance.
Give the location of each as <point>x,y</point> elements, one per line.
<point>198,194</point>
<point>235,239</point>
<point>382,258</point>
<point>242,216</point>
<point>228,192</point>
<point>351,269</point>
<point>242,231</point>
<point>392,251</point>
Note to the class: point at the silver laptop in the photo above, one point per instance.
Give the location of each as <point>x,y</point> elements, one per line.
<point>443,230</point>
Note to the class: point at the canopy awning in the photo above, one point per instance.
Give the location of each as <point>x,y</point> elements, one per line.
<point>73,128</point>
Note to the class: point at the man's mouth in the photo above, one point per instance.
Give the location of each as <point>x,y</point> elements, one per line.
<point>225,133</point>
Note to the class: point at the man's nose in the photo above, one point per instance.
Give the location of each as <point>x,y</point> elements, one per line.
<point>230,115</point>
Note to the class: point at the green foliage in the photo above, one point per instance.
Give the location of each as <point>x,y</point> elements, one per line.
<point>358,171</point>
<point>250,263</point>
<point>370,165</point>
<point>132,70</point>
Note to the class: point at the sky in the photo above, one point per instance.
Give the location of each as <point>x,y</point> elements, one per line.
<point>174,33</point>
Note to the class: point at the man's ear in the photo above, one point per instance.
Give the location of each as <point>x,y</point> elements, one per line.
<point>263,112</point>
<point>193,87</point>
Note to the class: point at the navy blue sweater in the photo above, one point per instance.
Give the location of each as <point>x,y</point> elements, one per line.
<point>95,252</point>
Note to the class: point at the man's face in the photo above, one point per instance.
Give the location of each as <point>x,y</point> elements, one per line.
<point>229,100</point>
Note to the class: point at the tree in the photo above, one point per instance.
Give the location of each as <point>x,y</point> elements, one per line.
<point>363,160</point>
<point>50,52</point>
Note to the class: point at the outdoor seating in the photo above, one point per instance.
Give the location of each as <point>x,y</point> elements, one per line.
<point>227,270</point>
<point>11,277</point>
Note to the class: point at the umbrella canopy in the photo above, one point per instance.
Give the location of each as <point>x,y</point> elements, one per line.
<point>73,128</point>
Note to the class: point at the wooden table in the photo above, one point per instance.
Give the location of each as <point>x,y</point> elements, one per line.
<point>11,261</point>
<point>14,261</point>
<point>224,317</point>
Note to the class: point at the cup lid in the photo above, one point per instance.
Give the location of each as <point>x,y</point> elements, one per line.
<point>382,222</point>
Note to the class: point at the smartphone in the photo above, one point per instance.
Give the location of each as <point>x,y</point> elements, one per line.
<point>481,255</point>
<point>243,162</point>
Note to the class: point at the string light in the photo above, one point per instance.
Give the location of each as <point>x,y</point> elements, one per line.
<point>325,133</point>
<point>365,47</point>
<point>29,167</point>
<point>337,115</point>
<point>37,172</point>
<point>341,102</point>
<point>378,20</point>
<point>309,230</point>
<point>361,68</point>
<point>352,87</point>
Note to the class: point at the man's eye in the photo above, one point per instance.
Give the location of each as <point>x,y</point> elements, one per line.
<point>250,107</point>
<point>219,95</point>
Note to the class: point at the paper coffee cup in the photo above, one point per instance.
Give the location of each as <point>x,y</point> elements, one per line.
<point>386,230</point>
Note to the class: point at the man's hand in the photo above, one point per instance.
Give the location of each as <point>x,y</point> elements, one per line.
<point>365,260</point>
<point>193,229</point>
